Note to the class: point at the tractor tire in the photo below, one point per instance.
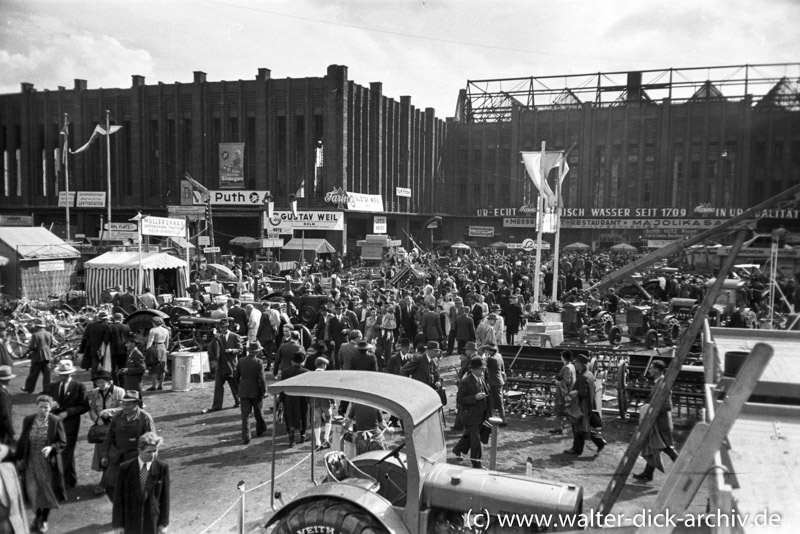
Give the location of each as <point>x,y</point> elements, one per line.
<point>651,339</point>
<point>583,335</point>
<point>328,515</point>
<point>308,315</point>
<point>614,335</point>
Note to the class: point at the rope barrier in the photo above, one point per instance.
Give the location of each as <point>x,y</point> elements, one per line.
<point>239,498</point>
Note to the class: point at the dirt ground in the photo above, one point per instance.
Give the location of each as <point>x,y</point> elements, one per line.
<point>208,460</point>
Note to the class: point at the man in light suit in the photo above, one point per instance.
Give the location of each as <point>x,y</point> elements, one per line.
<point>473,410</point>
<point>224,349</point>
<point>142,508</point>
<point>71,403</point>
<point>252,388</point>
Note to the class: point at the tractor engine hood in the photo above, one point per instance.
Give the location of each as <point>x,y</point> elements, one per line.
<point>460,489</point>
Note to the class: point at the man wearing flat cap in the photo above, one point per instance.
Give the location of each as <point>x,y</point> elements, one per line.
<point>252,387</point>
<point>224,349</point>
<point>425,367</point>
<point>584,398</point>
<point>473,410</point>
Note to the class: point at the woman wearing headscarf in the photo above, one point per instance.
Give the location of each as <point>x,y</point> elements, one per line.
<point>158,340</point>
<point>39,453</point>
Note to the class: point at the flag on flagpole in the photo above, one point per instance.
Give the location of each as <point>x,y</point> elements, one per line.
<point>538,168</point>
<point>98,130</point>
<point>194,183</point>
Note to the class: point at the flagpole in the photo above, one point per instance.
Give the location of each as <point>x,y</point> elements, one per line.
<point>66,168</point>
<point>108,166</point>
<point>537,272</point>
<point>558,226</point>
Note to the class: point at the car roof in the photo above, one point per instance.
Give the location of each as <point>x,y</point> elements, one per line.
<point>404,397</point>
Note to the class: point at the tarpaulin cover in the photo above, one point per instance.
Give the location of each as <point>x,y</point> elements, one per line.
<point>36,243</point>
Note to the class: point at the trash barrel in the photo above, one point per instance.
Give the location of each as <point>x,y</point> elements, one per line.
<point>182,371</point>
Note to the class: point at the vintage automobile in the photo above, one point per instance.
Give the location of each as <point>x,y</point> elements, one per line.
<point>410,489</point>
<point>732,293</point>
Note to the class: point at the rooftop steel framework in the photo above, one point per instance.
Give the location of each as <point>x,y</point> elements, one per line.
<point>493,100</point>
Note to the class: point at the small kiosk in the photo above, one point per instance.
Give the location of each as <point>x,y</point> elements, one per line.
<point>376,245</point>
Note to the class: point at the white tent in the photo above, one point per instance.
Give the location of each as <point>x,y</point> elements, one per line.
<point>624,247</point>
<point>161,272</point>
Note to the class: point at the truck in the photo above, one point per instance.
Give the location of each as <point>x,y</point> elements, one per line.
<point>410,489</point>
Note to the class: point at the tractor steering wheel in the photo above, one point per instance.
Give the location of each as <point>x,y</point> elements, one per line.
<point>393,452</point>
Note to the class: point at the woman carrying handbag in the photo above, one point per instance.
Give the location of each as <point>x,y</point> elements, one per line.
<point>39,454</point>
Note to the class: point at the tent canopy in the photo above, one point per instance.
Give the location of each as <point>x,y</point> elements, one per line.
<point>264,242</point>
<point>460,246</point>
<point>241,241</point>
<point>122,269</point>
<point>36,243</point>
<point>319,246</point>
<point>498,244</point>
<point>125,260</point>
<point>181,242</point>
<point>624,247</point>
<point>577,246</point>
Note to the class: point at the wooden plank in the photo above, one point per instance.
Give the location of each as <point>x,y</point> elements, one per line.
<point>660,395</point>
<point>705,441</point>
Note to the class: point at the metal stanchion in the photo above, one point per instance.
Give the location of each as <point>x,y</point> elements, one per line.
<point>495,422</point>
<point>241,488</point>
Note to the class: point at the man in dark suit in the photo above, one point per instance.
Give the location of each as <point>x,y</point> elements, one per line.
<point>116,335</point>
<point>455,311</point>
<point>584,389</point>
<point>339,326</point>
<point>238,317</point>
<point>473,409</point>
<point>663,428</point>
<point>425,368</point>
<point>141,495</point>
<point>431,325</point>
<point>407,319</point>
<point>476,312</point>
<point>287,350</point>
<point>252,388</point>
<point>224,349</point>
<point>7,434</point>
<point>39,350</point>
<point>496,379</point>
<point>127,301</point>
<point>465,329</point>
<point>92,340</point>
<point>71,403</point>
<point>365,359</point>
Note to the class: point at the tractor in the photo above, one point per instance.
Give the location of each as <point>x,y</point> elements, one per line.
<point>410,488</point>
<point>649,322</point>
<point>586,319</point>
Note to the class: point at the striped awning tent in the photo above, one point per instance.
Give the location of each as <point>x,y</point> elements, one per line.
<point>122,269</point>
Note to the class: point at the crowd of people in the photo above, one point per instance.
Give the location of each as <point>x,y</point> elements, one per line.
<point>37,465</point>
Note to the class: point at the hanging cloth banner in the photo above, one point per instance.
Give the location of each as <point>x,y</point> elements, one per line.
<point>98,130</point>
<point>535,164</point>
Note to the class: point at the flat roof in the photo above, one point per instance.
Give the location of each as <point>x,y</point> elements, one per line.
<point>404,397</point>
<point>781,378</point>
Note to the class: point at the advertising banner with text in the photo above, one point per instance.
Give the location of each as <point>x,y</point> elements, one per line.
<point>232,198</point>
<point>231,165</point>
<point>285,222</point>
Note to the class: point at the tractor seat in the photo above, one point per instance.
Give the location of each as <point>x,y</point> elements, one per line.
<point>341,469</point>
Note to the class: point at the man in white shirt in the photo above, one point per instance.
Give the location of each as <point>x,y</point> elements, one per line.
<point>253,320</point>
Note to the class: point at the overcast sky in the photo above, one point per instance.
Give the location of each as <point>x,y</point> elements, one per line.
<point>424,48</point>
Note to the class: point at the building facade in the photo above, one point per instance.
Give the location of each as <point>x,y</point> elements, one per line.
<point>309,137</point>
<point>652,155</point>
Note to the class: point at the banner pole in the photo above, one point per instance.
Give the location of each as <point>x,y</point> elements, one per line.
<point>66,168</point>
<point>108,165</point>
<point>539,222</point>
